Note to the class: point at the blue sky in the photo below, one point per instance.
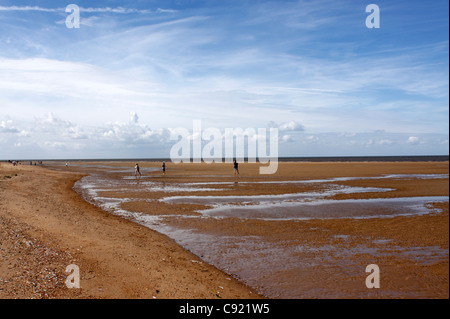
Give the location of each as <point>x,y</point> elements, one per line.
<point>134,70</point>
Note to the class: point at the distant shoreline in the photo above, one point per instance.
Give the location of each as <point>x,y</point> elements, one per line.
<point>405,158</point>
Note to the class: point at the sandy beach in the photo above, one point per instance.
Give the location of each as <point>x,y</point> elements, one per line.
<point>46,225</point>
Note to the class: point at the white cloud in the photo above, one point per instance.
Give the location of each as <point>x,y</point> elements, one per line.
<point>132,132</point>
<point>313,139</point>
<point>287,126</point>
<point>166,10</point>
<point>385,142</point>
<point>52,121</point>
<point>113,10</point>
<point>74,132</point>
<point>291,126</point>
<point>6,127</point>
<point>286,138</point>
<point>56,127</point>
<point>413,140</point>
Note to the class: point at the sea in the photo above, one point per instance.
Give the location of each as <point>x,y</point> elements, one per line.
<point>406,158</point>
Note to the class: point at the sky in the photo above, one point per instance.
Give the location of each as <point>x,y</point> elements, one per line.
<point>134,71</point>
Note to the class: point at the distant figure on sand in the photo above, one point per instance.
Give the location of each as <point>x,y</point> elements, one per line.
<point>236,169</point>
<point>164,168</point>
<point>137,170</point>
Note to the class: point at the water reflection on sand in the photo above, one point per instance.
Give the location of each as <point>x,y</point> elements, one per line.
<point>281,268</point>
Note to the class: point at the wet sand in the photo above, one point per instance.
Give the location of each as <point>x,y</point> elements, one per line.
<point>326,257</point>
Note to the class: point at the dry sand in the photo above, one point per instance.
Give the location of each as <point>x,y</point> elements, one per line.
<point>46,226</point>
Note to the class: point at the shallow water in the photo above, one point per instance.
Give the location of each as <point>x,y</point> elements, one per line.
<point>321,209</point>
<point>275,268</point>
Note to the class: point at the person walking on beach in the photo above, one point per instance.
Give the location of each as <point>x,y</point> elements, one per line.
<point>236,168</point>
<point>164,168</point>
<point>137,171</point>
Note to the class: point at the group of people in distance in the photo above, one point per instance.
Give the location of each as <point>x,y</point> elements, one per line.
<point>137,171</point>
<point>15,163</point>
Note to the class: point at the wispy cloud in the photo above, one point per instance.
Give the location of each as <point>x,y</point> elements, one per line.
<point>120,10</point>
<point>30,8</point>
